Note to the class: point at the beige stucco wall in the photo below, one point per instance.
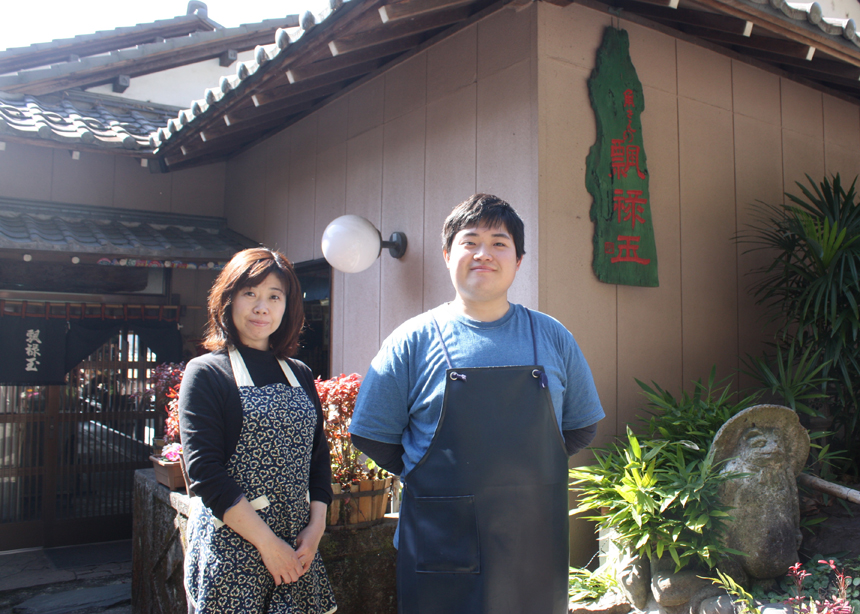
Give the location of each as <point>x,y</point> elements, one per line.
<point>719,135</point>
<point>48,174</point>
<point>402,150</point>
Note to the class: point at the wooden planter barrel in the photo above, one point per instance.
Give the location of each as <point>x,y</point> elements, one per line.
<point>168,473</point>
<point>364,504</point>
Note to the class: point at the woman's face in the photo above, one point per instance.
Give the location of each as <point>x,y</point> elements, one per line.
<point>257,311</point>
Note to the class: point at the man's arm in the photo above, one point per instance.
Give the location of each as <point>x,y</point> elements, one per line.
<point>389,456</point>
<point>577,439</point>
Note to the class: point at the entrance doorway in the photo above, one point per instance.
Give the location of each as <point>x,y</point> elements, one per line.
<point>69,452</point>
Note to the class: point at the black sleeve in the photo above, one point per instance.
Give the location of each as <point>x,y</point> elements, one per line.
<point>206,430</point>
<point>319,483</point>
<point>576,439</point>
<point>389,456</point>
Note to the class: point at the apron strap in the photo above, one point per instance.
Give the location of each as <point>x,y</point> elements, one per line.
<point>442,341</point>
<point>537,373</point>
<point>291,377</point>
<point>243,378</point>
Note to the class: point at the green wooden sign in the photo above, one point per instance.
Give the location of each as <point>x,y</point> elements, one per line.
<point>617,170</point>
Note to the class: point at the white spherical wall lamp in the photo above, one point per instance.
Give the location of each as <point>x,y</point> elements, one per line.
<point>352,243</point>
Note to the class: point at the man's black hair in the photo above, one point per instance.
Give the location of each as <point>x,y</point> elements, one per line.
<point>484,210</point>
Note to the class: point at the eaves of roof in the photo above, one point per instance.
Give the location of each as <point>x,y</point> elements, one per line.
<point>82,121</point>
<point>59,50</point>
<point>48,227</point>
<point>143,59</point>
<point>304,69</point>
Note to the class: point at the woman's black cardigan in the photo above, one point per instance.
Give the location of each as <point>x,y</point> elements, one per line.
<point>210,418</point>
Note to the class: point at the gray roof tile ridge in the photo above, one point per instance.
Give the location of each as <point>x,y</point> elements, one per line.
<point>119,32</point>
<point>810,15</point>
<point>263,54</point>
<point>137,53</point>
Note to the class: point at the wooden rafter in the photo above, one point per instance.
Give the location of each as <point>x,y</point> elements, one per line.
<point>304,71</point>
<point>136,67</point>
<point>711,21</point>
<point>400,29</point>
<point>407,9</point>
<point>777,46</point>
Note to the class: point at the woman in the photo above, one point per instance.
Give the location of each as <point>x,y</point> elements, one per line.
<point>252,435</point>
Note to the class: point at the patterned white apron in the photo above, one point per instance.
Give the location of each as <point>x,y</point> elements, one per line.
<point>224,572</point>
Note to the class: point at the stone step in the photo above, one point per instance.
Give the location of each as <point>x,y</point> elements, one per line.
<point>77,601</point>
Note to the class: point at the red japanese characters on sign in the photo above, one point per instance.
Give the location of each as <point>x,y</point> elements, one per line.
<point>628,207</point>
<point>628,246</point>
<point>624,155</point>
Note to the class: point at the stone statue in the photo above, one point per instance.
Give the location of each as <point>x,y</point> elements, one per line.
<point>768,443</point>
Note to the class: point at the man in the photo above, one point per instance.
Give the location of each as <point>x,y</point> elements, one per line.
<point>478,403</point>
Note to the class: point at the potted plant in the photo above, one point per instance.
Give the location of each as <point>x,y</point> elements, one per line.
<point>361,489</point>
<point>166,456</point>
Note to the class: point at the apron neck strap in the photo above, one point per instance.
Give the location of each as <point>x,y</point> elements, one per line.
<point>243,378</point>
<point>442,341</point>
<point>534,337</point>
<point>448,356</point>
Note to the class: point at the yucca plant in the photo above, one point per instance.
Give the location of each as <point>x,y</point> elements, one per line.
<point>811,290</point>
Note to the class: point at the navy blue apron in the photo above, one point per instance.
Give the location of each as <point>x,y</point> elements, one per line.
<point>224,573</point>
<point>484,520</point>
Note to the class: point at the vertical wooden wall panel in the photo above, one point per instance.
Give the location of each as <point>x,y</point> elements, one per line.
<point>569,291</point>
<point>708,256</point>
<point>649,333</point>
<point>361,290</point>
<point>135,187</point>
<point>841,138</point>
<point>704,75</point>
<point>246,192</point>
<point>330,191</point>
<point>452,64</point>
<point>72,181</point>
<point>25,171</point>
<point>801,155</point>
<point>406,87</point>
<point>449,179</point>
<point>505,38</point>
<point>300,239</point>
<point>366,106</point>
<point>507,160</point>
<point>277,203</point>
<point>403,210</point>
<point>196,191</point>
<point>758,178</point>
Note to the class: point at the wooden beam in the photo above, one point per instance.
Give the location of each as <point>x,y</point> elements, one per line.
<point>816,68</point>
<point>13,60</point>
<point>136,67</point>
<point>395,11</point>
<point>778,46</point>
<point>120,83</point>
<point>401,29</point>
<point>711,21</point>
<point>228,57</point>
<point>302,72</point>
<point>798,32</point>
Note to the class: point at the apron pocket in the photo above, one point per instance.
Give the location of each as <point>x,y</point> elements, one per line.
<point>447,535</point>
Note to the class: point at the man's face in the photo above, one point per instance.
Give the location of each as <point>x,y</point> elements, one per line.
<point>482,263</point>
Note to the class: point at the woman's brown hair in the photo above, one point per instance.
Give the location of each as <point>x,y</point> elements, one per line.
<point>246,269</point>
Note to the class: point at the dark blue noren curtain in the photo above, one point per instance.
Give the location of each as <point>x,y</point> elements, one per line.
<point>32,351</point>
<point>86,336</point>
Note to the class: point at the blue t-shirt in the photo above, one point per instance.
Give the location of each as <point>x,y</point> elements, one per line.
<point>400,399</point>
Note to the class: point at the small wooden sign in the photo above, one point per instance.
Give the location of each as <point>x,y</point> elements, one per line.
<point>617,170</point>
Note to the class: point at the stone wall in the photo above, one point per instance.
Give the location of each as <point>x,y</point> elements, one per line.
<point>360,562</point>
